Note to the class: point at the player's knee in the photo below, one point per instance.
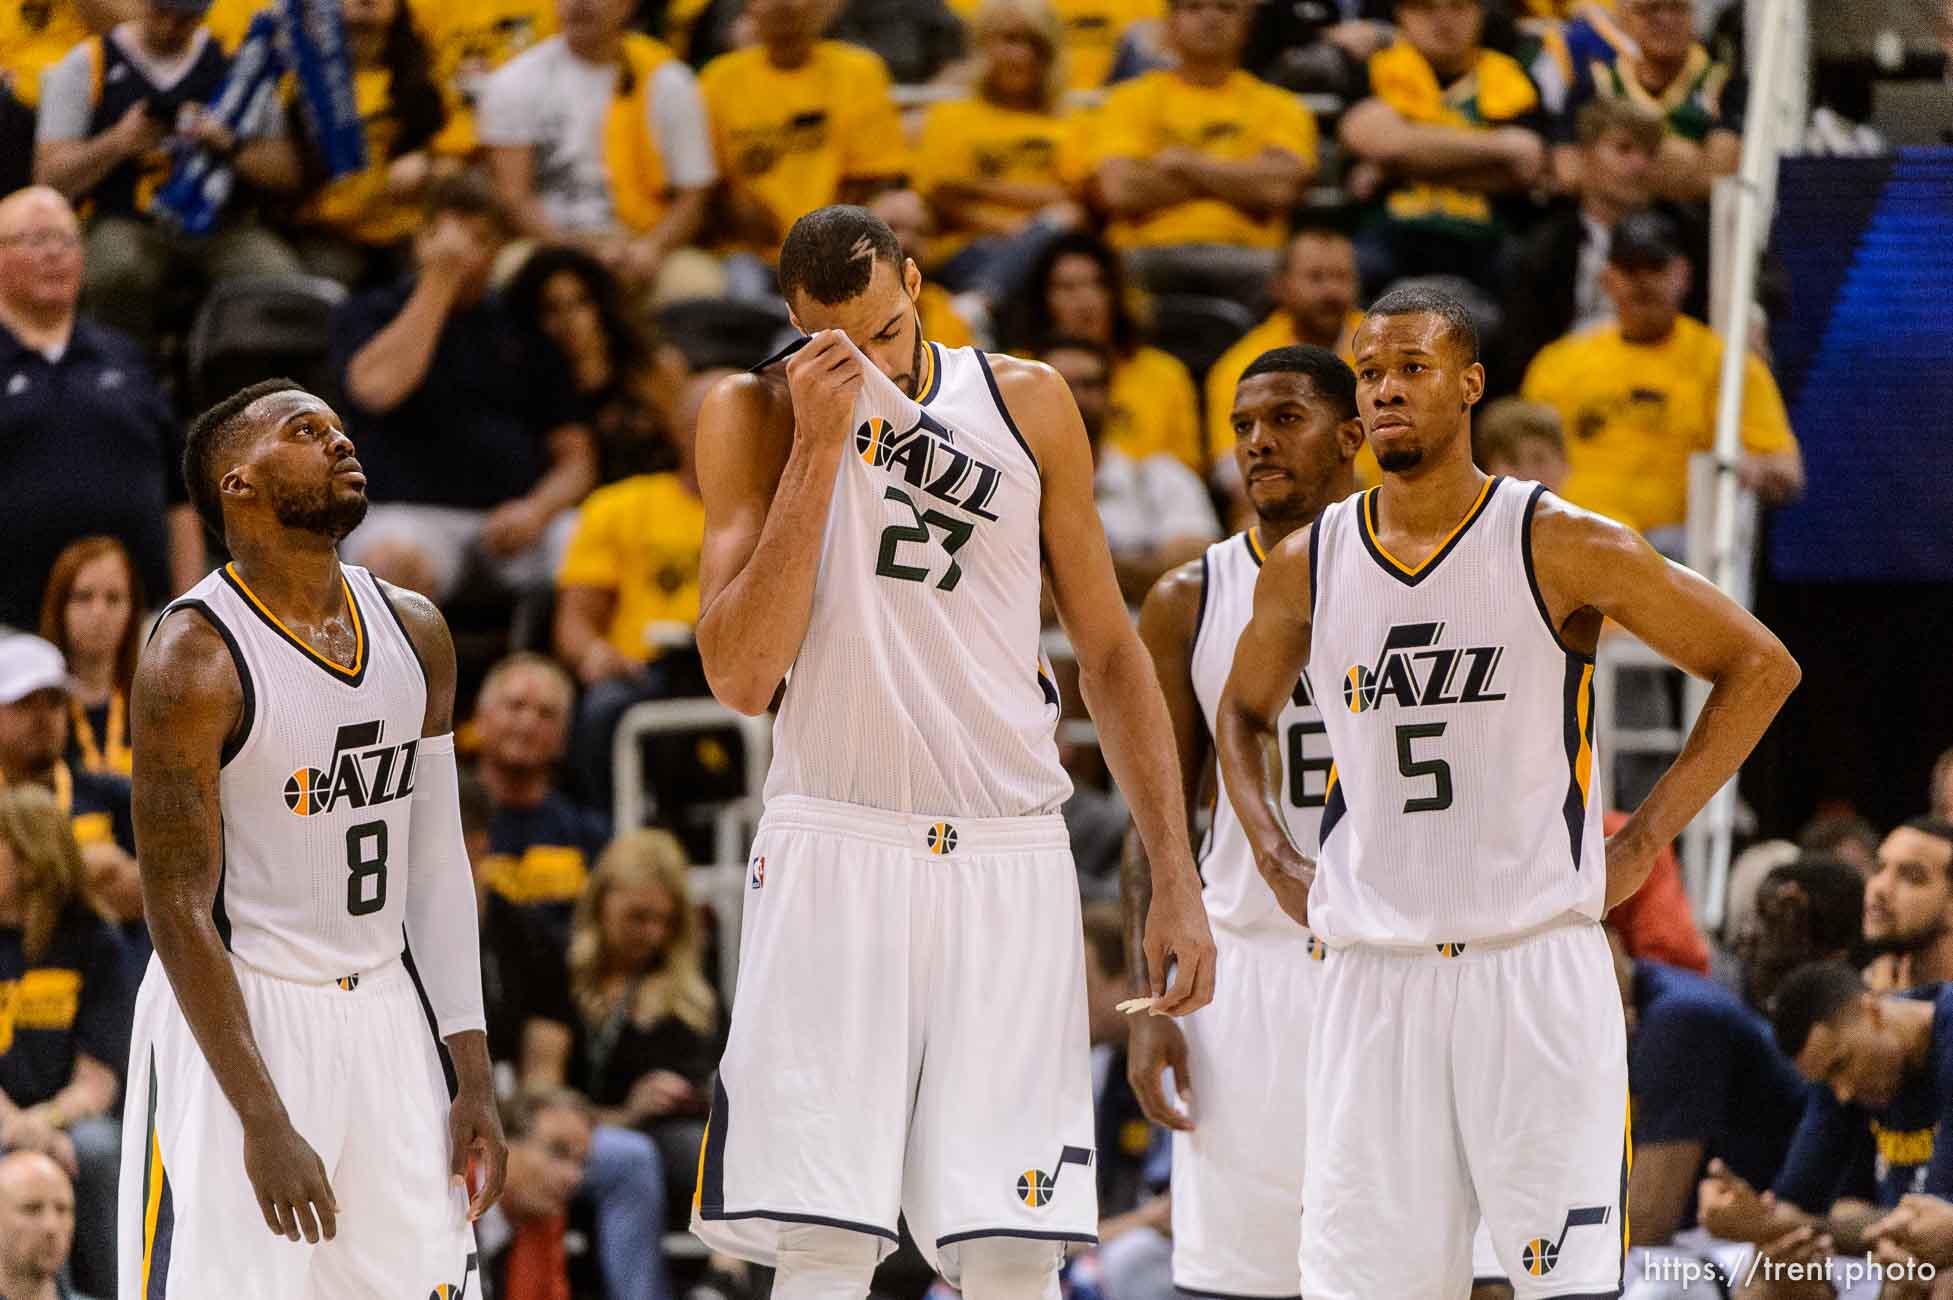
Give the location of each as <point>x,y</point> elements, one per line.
<point>1007,1268</point>
<point>821,1263</point>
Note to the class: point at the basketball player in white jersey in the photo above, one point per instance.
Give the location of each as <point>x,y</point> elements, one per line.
<point>1468,1056</point>
<point>287,1130</point>
<point>1238,1064</point>
<point>910,1030</point>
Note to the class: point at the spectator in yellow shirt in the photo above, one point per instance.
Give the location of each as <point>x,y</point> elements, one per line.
<point>1638,394</point>
<point>35,34</point>
<point>1448,126</point>
<point>1078,290</point>
<point>468,40</point>
<point>1203,153</point>
<point>1093,30</point>
<point>798,123</point>
<point>907,215</point>
<point>627,597</point>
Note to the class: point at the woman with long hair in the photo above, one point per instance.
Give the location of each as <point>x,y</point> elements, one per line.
<point>92,612</point>
<point>1078,289</point>
<point>68,1019</point>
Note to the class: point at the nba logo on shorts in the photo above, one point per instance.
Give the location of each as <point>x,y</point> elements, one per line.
<point>757,876</point>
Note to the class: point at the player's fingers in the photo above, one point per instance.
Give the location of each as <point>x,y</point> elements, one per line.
<point>325,1201</point>
<point>1204,979</point>
<point>1180,992</point>
<point>495,1167</point>
<point>308,1222</point>
<point>287,1220</point>
<point>1150,1088</point>
<point>269,1208</point>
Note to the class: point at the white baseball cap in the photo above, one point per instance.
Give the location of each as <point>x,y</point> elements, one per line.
<point>29,664</point>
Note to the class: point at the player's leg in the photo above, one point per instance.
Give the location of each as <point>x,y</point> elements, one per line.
<point>1387,1204</point>
<point>816,1262</point>
<point>1006,1268</point>
<point>811,1108</point>
<point>1001,1146</point>
<point>1540,1061</point>
<point>403,1226</point>
<point>1237,1177</point>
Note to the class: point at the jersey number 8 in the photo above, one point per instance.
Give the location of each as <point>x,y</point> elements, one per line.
<point>366,866</point>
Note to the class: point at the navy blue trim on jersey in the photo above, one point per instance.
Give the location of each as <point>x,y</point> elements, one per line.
<point>935,374</point>
<point>1334,805</point>
<point>1366,515</point>
<point>1315,540</point>
<point>155,1249</point>
<point>1627,1163</point>
<point>712,1180</point>
<point>1532,577</point>
<point>399,623</point>
<point>1089,1238</point>
<point>783,1216</point>
<point>1248,540</point>
<point>1200,615</point>
<point>1239,1295</point>
<point>338,672</point>
<point>782,354</point>
<point>1577,671</point>
<point>997,396</point>
<point>248,696</point>
<point>220,916</point>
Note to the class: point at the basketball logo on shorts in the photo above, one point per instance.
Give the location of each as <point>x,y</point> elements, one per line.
<point>1540,1255</point>
<point>1318,950</point>
<point>875,441</point>
<point>942,839</point>
<point>1450,949</point>
<point>306,791</point>
<point>447,1291</point>
<point>1359,689</point>
<point>1036,1188</point>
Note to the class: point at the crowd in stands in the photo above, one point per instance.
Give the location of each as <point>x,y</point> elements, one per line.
<point>564,235</point>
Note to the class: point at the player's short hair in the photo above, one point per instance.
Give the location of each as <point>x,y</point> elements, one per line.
<point>214,438</point>
<point>519,1112</point>
<point>1499,430</point>
<point>1334,381</point>
<point>1813,995</point>
<point>1105,935</point>
<point>1837,898</point>
<point>1423,300</point>
<point>529,660</point>
<point>830,253</point>
<point>1604,113</point>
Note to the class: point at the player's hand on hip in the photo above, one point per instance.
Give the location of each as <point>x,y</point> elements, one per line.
<point>1157,1045</point>
<point>1179,944</point>
<point>475,1139</point>
<point>290,1182</point>
<point>1289,876</point>
<point>1630,859</point>
<point>823,378</point>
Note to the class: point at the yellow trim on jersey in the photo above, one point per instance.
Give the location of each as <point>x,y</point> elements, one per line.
<point>1330,784</point>
<point>152,1203</point>
<point>927,379</point>
<point>1627,1174</point>
<point>359,625</point>
<point>1583,763</point>
<point>698,1183</point>
<point>1254,545</point>
<point>1369,517</point>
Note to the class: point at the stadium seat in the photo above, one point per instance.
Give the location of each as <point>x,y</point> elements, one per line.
<point>1197,329</point>
<point>262,327</point>
<point>714,332</point>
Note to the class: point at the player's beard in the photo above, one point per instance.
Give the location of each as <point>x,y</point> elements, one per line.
<point>1403,458</point>
<point>317,510</point>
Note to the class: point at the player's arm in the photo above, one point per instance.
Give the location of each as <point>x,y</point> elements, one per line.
<point>1269,660</point>
<point>186,702</point>
<point>1588,565</point>
<point>441,921</point>
<point>1168,620</point>
<point>1115,675</point>
<point>766,496</point>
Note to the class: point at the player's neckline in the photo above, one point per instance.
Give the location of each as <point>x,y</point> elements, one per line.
<point>1408,574</point>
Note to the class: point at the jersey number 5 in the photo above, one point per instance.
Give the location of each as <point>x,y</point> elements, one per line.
<point>955,533</point>
<point>366,866</point>
<point>1416,769</point>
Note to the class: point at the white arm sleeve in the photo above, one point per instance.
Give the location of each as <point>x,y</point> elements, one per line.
<point>442,928</point>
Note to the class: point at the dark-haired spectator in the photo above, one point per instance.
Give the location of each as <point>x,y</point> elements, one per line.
<point>92,614</point>
<point>1909,907</point>
<point>627,597</point>
<point>1844,836</point>
<point>1155,510</point>
<point>599,135</point>
<point>438,374</point>
<point>1646,52</point>
<point>541,843</point>
<point>114,114</point>
<point>1638,394</point>
<point>68,1004</point>
<point>1807,910</point>
<point>37,1227</point>
<point>917,39</point>
<point>525,1237</point>
<point>625,383</point>
<point>1078,290</point>
<point>904,212</point>
<point>1203,152</point>
<point>82,421</point>
<point>467,40</point>
<point>798,122</point>
<point>1447,127</point>
<point>1520,439</point>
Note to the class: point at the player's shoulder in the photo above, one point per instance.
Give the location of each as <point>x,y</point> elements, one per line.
<point>1021,379</point>
<point>189,671</point>
<point>747,401</point>
<point>1175,602</point>
<point>1558,529</point>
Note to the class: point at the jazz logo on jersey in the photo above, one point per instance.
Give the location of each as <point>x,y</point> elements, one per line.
<point>942,839</point>
<point>1036,1188</point>
<point>1415,671</point>
<point>361,773</point>
<point>926,459</point>
<point>1540,1255</point>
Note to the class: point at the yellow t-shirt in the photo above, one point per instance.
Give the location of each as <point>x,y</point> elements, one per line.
<point>1154,408</point>
<point>1092,32</point>
<point>1278,331</point>
<point>35,35</point>
<point>359,207</point>
<point>1495,92</point>
<point>974,140</point>
<point>940,319</point>
<point>229,19</point>
<point>1634,412</point>
<point>639,538</point>
<point>467,40</point>
<point>1231,123</point>
<point>790,137</point>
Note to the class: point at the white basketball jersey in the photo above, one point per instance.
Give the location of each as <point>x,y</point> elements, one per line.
<point>1464,799</point>
<point>1234,891</point>
<point>919,687</point>
<point>315,787</point>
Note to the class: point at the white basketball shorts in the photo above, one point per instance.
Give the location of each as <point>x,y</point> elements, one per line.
<point>909,1036</point>
<point>1237,1178</point>
<point>356,1069</point>
<point>1446,1083</point>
